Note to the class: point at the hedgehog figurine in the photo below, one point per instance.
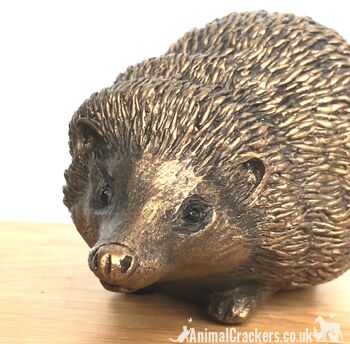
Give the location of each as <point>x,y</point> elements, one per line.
<point>220,171</point>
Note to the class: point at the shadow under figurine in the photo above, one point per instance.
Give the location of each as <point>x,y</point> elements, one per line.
<point>219,171</point>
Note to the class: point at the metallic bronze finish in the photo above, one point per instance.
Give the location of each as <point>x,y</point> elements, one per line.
<point>219,171</point>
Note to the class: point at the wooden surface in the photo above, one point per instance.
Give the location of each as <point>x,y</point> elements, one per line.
<point>48,295</point>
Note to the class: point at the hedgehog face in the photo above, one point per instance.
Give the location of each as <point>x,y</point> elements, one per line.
<point>149,220</point>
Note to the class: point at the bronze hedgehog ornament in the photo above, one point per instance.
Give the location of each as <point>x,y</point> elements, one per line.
<point>219,171</point>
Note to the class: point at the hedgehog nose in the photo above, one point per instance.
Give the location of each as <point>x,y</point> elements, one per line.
<point>112,263</point>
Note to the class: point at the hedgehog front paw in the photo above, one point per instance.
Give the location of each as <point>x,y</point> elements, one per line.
<point>234,306</point>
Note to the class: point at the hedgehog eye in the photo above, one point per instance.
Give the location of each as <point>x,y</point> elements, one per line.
<point>195,213</point>
<point>104,195</point>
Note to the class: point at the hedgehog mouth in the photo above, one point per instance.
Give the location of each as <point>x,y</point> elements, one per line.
<point>115,288</point>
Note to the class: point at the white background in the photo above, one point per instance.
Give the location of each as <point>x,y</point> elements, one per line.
<point>55,54</point>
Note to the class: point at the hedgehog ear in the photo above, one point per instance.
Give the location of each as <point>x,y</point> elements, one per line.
<point>89,133</point>
<point>250,178</point>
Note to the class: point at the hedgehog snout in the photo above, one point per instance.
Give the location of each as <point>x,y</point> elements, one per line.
<point>112,263</point>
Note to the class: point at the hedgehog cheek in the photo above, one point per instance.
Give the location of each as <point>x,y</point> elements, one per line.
<point>87,226</point>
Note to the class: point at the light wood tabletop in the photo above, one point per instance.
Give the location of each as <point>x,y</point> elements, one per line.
<point>49,295</point>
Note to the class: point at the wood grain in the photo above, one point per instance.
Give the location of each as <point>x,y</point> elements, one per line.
<point>48,295</point>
